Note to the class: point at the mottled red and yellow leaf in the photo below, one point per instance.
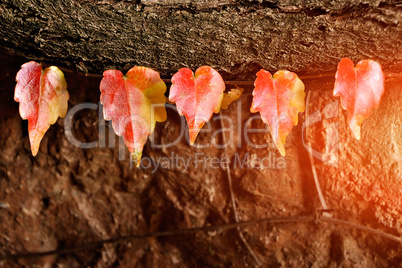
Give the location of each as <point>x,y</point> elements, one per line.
<point>279,99</point>
<point>134,103</point>
<point>360,89</point>
<point>43,97</point>
<point>197,96</point>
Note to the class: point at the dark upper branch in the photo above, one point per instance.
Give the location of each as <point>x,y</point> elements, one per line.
<point>235,37</point>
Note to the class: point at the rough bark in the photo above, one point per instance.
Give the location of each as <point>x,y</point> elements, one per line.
<point>235,37</point>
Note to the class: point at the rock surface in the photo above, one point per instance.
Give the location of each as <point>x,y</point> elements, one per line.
<point>68,196</point>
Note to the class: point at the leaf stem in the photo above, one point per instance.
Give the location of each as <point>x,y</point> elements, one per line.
<point>362,228</point>
<point>219,228</point>
<point>310,154</point>
<point>232,198</point>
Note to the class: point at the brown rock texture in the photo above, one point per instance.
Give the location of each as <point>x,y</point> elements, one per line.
<point>68,196</point>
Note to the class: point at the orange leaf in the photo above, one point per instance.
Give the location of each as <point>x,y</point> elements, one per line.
<point>134,103</point>
<point>43,97</point>
<point>279,99</point>
<point>197,97</point>
<point>360,90</point>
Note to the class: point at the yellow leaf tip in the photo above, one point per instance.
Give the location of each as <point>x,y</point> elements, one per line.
<point>34,151</point>
<point>281,149</point>
<point>35,139</point>
<point>193,133</point>
<point>356,132</point>
<point>192,139</point>
<point>137,158</point>
<point>355,126</point>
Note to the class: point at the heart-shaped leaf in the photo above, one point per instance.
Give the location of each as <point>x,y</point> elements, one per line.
<point>43,97</point>
<point>197,96</point>
<point>360,89</point>
<point>134,103</point>
<point>279,99</point>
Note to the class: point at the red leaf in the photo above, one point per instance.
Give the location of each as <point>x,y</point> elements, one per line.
<point>360,89</point>
<point>134,103</point>
<point>279,99</point>
<point>197,97</point>
<point>43,98</point>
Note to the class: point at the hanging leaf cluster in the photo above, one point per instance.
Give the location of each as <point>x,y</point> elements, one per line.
<point>360,89</point>
<point>43,97</point>
<point>197,96</point>
<point>136,101</point>
<point>279,99</point>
